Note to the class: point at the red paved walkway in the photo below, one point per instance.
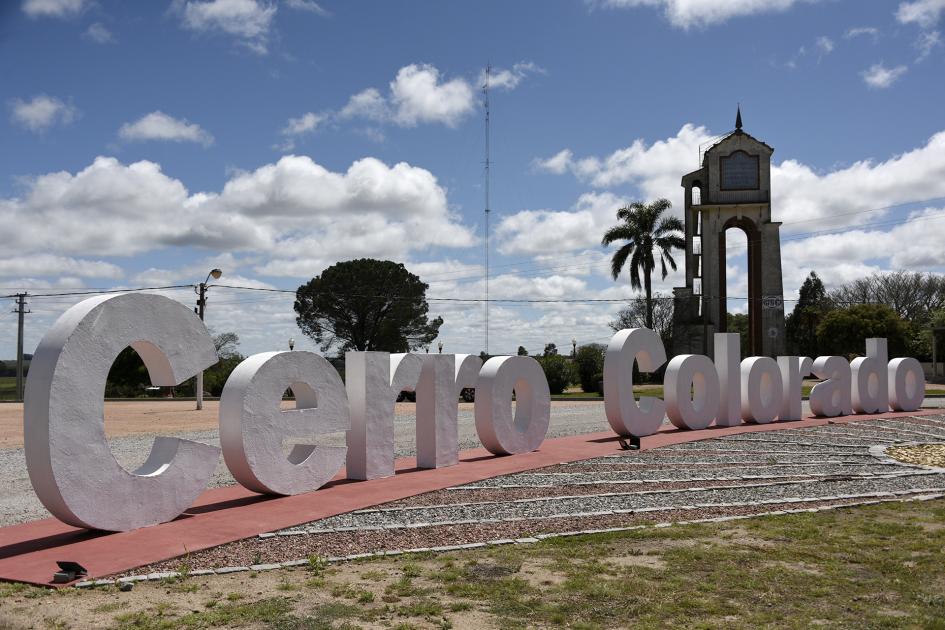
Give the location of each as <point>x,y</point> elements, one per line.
<point>28,552</point>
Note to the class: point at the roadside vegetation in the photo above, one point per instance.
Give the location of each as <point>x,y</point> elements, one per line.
<point>874,566</point>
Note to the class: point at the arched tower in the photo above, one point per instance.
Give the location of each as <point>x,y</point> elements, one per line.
<point>731,190</point>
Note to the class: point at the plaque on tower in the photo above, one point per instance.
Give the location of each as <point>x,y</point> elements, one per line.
<point>739,171</point>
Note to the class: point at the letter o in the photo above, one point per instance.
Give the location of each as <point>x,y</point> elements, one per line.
<point>498,431</point>
<point>687,372</point>
<point>762,389</point>
<point>906,384</point>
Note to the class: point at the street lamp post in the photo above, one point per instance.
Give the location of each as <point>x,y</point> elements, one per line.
<point>440,347</point>
<point>573,347</point>
<point>291,344</point>
<point>201,291</point>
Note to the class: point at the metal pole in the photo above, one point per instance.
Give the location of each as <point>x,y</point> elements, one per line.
<point>21,311</point>
<point>201,302</point>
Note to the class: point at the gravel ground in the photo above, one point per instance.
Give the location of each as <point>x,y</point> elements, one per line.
<point>748,476</point>
<point>19,503</point>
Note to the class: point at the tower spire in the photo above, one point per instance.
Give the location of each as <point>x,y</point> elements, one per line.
<point>738,118</point>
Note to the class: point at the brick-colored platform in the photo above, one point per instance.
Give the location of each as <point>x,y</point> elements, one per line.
<point>28,552</point>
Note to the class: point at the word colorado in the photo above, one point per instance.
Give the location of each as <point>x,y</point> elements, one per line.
<point>79,481</point>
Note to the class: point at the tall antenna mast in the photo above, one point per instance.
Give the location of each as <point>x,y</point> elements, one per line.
<point>485,94</point>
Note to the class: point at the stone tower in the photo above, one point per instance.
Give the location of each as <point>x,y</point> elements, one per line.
<point>731,190</point>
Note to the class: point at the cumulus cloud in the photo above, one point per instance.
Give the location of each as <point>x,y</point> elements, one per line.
<point>53,8</point>
<point>159,126</point>
<point>825,44</point>
<point>41,112</point>
<point>925,13</point>
<point>98,33</point>
<point>248,20</point>
<point>880,77</point>
<point>290,211</point>
<point>700,13</point>
<point>420,94</point>
<point>368,104</point>
<point>417,95</point>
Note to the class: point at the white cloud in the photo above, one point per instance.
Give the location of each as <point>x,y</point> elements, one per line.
<point>98,33</point>
<point>41,113</point>
<point>418,96</point>
<point>304,124</point>
<point>50,265</point>
<point>307,5</point>
<point>366,104</point>
<point>509,79</point>
<point>825,44</point>
<point>927,41</point>
<point>549,231</point>
<point>654,168</point>
<point>925,13</point>
<point>861,31</point>
<point>248,20</point>
<point>880,77</point>
<point>53,8</point>
<point>700,13</point>
<point>294,214</point>
<point>159,126</point>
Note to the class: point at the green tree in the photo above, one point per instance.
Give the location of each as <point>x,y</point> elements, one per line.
<point>812,306</point>
<point>558,371</point>
<point>366,304</point>
<point>844,331</point>
<point>589,362</point>
<point>634,316</point>
<point>645,230</point>
<point>550,349</point>
<point>522,352</point>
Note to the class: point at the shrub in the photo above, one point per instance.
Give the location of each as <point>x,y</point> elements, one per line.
<point>589,362</point>
<point>558,371</point>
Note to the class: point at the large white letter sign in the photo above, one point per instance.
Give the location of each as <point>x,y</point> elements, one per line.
<point>253,426</point>
<point>831,397</point>
<point>646,348</point>
<point>691,373</point>
<point>728,356</point>
<point>906,384</point>
<point>442,378</point>
<point>497,430</point>
<point>762,390</point>
<point>793,371</point>
<point>373,381</point>
<point>870,379</point>
<point>70,464</point>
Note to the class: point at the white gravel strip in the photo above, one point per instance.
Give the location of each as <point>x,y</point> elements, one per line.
<point>506,541</point>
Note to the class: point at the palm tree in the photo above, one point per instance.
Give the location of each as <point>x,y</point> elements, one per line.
<point>645,230</point>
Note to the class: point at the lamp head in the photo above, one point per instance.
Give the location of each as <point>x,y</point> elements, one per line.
<point>215,274</point>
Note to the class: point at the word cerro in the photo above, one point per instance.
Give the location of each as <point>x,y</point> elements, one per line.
<point>78,479</point>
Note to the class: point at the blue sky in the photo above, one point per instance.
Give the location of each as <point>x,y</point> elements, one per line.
<point>148,142</point>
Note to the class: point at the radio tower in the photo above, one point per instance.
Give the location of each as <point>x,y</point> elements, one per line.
<point>485,94</point>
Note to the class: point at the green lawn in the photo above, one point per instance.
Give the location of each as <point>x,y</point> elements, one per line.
<point>864,567</point>
<point>7,388</point>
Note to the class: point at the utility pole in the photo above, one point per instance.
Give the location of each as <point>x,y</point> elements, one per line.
<point>201,303</point>
<point>201,291</point>
<point>20,311</point>
<point>485,94</point>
